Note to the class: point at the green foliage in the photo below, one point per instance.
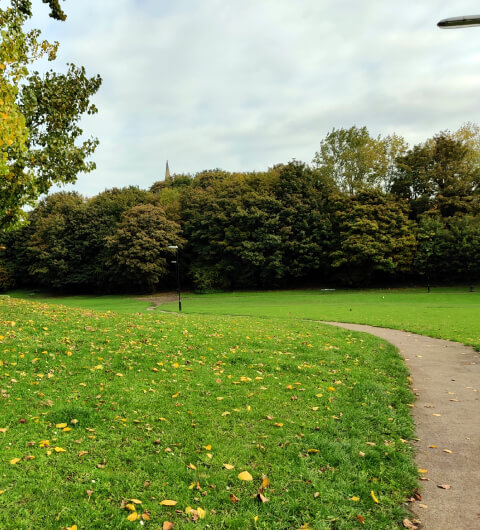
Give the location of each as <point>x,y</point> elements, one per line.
<point>139,250</point>
<point>39,125</point>
<point>375,238</point>
<point>355,161</point>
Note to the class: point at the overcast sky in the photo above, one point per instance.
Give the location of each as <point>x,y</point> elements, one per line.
<point>244,84</point>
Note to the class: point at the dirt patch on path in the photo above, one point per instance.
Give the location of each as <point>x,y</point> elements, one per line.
<point>446,380</point>
<point>159,299</point>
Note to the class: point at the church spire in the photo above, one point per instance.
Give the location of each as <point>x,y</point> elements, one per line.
<point>167,173</point>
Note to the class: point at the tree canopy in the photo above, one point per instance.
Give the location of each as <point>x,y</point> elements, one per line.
<point>39,129</point>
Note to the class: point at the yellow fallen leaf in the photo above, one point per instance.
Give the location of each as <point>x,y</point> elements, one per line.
<point>167,502</point>
<point>2,492</point>
<point>191,466</point>
<point>134,516</point>
<point>209,455</point>
<point>74,527</point>
<point>60,425</point>
<point>245,475</point>
<point>226,413</point>
<point>313,451</point>
<point>355,499</point>
<point>201,513</point>
<point>14,461</point>
<point>255,519</point>
<point>60,450</point>
<point>207,447</point>
<point>278,424</point>
<point>374,498</point>
<point>167,525</point>
<point>3,430</point>
<point>420,470</point>
<point>82,453</point>
<point>447,451</point>
<point>228,466</point>
<point>265,481</point>
<point>130,507</point>
<point>135,501</point>
<point>66,429</point>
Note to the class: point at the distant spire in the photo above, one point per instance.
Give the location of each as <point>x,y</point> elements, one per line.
<point>167,173</point>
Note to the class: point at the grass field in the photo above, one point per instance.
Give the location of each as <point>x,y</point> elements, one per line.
<point>448,313</point>
<point>115,420</point>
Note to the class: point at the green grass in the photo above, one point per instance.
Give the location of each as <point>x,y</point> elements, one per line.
<point>117,303</point>
<point>448,313</point>
<point>157,404</point>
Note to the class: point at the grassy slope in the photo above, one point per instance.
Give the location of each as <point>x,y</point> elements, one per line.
<point>447,313</point>
<point>157,404</point>
<point>118,303</point>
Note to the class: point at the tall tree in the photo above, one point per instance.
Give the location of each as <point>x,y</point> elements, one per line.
<point>356,161</point>
<point>39,118</point>
<point>139,248</point>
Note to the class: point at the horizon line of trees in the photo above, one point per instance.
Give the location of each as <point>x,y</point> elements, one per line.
<point>366,211</point>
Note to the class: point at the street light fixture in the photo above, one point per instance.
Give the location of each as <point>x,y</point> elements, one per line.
<point>175,247</point>
<point>467,21</point>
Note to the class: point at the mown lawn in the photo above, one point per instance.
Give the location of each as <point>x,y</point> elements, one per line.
<point>447,313</point>
<point>105,416</point>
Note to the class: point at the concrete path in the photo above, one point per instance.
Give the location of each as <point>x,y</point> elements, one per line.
<point>446,380</point>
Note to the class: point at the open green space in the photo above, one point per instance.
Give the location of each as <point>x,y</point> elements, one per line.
<point>107,415</point>
<point>449,313</point>
<point>117,303</point>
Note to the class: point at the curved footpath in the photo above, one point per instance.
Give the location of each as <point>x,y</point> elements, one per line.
<point>446,380</point>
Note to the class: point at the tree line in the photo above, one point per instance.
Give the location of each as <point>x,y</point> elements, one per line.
<point>366,211</point>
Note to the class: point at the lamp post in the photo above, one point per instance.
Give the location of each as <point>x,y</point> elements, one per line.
<point>175,247</point>
<point>467,21</point>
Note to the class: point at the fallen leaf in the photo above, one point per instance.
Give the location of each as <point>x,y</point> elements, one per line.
<point>234,498</point>
<point>130,507</point>
<point>373,497</point>
<point>14,461</point>
<point>191,466</point>
<point>201,513</point>
<point>245,475</point>
<point>408,524</point>
<point>60,425</point>
<point>146,516</point>
<point>228,466</point>
<point>421,470</point>
<point>74,527</point>
<point>82,453</point>
<point>447,451</point>
<point>312,451</point>
<point>167,525</point>
<point>361,519</point>
<point>134,516</point>
<point>316,495</point>
<point>265,481</point>
<point>444,486</point>
<point>278,424</point>
<point>167,502</point>
<point>424,506</point>
<point>60,450</point>
<point>355,499</point>
<point>135,501</point>
<point>261,498</point>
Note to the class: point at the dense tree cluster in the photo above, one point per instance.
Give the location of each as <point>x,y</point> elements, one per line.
<point>367,211</point>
